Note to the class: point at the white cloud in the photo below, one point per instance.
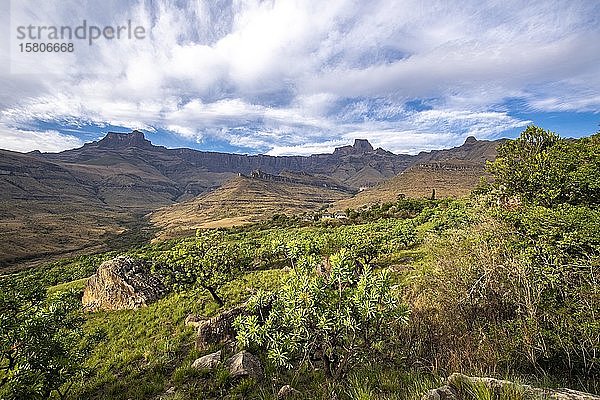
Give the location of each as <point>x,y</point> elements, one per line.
<point>45,141</point>
<point>287,75</point>
<point>307,149</point>
<point>483,125</point>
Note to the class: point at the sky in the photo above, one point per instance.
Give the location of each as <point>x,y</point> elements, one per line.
<point>301,77</point>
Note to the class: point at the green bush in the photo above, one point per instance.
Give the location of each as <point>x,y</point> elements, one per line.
<point>338,318</point>
<point>542,169</point>
<point>42,344</point>
<point>209,262</point>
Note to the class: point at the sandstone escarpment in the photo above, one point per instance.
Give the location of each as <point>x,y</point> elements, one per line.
<point>122,283</point>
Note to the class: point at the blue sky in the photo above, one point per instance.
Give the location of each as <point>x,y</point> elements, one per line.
<point>305,76</point>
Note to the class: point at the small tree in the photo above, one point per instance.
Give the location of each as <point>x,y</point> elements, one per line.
<point>338,318</point>
<point>42,344</point>
<point>542,169</point>
<point>208,262</point>
<point>522,165</point>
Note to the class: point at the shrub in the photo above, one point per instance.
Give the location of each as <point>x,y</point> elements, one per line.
<point>208,261</point>
<point>42,343</point>
<point>516,292</point>
<point>338,318</point>
<point>542,169</point>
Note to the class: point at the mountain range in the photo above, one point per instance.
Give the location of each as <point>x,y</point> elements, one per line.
<point>122,189</point>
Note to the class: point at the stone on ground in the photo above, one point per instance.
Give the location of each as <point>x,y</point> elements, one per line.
<point>122,283</point>
<point>244,364</point>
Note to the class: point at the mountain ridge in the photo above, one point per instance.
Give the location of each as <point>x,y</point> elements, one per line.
<point>87,197</point>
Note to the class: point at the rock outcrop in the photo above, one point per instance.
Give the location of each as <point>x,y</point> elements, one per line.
<point>122,140</point>
<point>459,384</point>
<point>218,329</point>
<point>122,283</point>
<point>244,364</point>
<point>360,146</point>
<point>193,320</point>
<point>445,392</point>
<point>208,361</point>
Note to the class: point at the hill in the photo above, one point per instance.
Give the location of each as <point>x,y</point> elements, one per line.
<point>451,173</point>
<point>48,209</point>
<point>246,199</point>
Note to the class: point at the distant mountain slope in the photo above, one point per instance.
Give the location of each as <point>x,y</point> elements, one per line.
<point>54,203</point>
<point>451,173</point>
<point>242,200</point>
<point>130,164</point>
<point>472,151</point>
<point>419,181</point>
<point>191,172</point>
<point>48,209</point>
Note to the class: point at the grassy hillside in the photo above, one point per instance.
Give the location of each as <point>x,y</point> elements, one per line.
<point>434,260</point>
<point>449,179</point>
<point>241,200</point>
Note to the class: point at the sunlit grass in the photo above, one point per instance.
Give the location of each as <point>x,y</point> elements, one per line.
<point>148,349</point>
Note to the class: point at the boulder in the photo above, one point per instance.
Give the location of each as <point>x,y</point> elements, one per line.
<point>122,283</point>
<point>286,391</point>
<point>218,329</point>
<point>244,364</point>
<point>208,361</point>
<point>444,393</point>
<point>458,384</point>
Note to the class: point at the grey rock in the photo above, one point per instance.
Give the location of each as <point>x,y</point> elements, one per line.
<point>499,387</point>
<point>122,283</point>
<point>218,329</point>
<point>570,394</point>
<point>286,391</point>
<point>442,393</point>
<point>208,361</point>
<point>244,364</point>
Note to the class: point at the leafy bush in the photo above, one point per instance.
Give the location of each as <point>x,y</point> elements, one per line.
<point>208,261</point>
<point>338,318</point>
<point>515,288</point>
<point>42,343</point>
<point>542,169</point>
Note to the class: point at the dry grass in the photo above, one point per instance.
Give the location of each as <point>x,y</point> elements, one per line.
<point>418,182</point>
<point>241,201</point>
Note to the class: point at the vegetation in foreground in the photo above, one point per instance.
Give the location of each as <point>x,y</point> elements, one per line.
<point>503,284</point>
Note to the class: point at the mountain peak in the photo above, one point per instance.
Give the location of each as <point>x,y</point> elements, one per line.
<point>121,140</point>
<point>470,140</point>
<point>360,146</point>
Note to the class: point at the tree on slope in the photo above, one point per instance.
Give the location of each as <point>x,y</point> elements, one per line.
<point>42,344</point>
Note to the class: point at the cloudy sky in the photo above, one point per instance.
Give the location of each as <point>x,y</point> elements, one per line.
<point>302,77</point>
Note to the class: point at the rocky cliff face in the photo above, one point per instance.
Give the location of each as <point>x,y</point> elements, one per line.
<point>178,172</point>
<point>117,140</point>
<point>344,164</point>
<point>361,146</point>
<point>122,283</point>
